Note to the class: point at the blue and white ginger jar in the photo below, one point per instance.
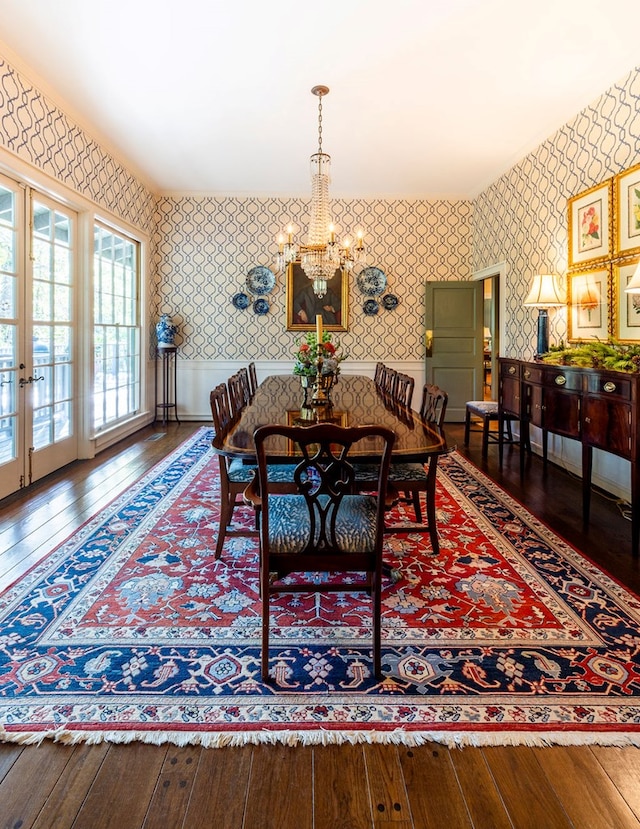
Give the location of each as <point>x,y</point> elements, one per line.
<point>166,332</point>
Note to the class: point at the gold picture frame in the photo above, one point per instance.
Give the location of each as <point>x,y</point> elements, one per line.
<point>589,299</point>
<point>626,192</point>
<point>302,302</point>
<point>590,225</point>
<point>626,307</point>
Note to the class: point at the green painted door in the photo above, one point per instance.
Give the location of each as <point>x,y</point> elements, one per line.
<point>454,341</point>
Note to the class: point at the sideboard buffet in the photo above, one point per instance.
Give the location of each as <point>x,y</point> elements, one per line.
<point>599,408</point>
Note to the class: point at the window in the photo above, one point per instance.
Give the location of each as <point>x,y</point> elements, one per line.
<point>116,327</point>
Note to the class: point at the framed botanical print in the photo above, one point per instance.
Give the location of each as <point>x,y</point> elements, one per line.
<point>626,194</point>
<point>590,227</point>
<point>626,321</point>
<point>588,294</point>
<point>303,305</point>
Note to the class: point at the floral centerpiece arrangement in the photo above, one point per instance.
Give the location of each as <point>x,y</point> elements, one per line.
<point>308,350</point>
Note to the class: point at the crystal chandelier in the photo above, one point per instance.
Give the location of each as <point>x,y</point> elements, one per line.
<point>321,256</point>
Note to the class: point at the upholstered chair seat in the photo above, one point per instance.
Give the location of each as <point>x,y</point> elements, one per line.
<point>290,526</point>
<point>398,472</point>
<point>242,473</point>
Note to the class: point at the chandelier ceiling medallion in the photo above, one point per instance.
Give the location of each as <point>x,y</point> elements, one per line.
<point>321,255</point>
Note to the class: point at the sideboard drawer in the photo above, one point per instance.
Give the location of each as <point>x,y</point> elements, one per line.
<point>616,387</point>
<point>532,374</point>
<point>510,368</point>
<point>559,378</point>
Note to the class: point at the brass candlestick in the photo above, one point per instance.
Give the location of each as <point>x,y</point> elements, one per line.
<point>322,385</point>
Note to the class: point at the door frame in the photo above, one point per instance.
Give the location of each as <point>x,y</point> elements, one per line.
<point>499,272</point>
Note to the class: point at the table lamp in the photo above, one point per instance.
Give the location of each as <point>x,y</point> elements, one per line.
<point>544,294</point>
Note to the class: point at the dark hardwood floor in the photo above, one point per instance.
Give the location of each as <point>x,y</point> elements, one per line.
<point>139,785</point>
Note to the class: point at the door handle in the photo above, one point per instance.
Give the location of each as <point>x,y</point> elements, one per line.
<point>30,380</point>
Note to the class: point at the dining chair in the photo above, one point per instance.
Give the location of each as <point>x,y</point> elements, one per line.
<point>239,396</point>
<point>387,380</point>
<point>323,527</point>
<point>235,474</point>
<point>403,389</point>
<point>434,404</point>
<point>245,384</point>
<point>413,478</point>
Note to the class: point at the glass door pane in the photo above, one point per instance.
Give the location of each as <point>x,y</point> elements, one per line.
<point>10,432</point>
<point>52,412</point>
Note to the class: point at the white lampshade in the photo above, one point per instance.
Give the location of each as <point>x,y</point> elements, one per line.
<point>634,283</point>
<point>544,292</point>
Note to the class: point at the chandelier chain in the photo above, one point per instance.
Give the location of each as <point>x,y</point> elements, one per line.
<point>320,123</point>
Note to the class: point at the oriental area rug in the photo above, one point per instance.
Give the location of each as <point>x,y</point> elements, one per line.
<point>131,630</point>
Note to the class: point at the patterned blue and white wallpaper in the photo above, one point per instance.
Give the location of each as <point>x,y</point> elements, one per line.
<point>206,245</point>
<point>202,247</point>
<point>521,218</point>
<point>41,134</point>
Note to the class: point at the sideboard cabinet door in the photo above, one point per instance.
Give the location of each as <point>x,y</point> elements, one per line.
<point>561,412</point>
<point>510,389</point>
<point>606,424</point>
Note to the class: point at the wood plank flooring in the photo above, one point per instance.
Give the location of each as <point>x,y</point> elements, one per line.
<point>257,787</point>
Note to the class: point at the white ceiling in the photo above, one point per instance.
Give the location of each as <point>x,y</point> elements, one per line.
<point>429,98</point>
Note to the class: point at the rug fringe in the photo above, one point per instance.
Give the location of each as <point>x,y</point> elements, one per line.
<point>322,737</point>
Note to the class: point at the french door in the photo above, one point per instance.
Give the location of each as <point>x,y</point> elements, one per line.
<point>38,411</point>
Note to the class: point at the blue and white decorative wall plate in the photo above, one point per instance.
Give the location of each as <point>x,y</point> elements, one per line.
<point>240,301</point>
<point>371,281</point>
<point>261,280</point>
<point>371,307</point>
<point>261,306</point>
<point>389,302</point>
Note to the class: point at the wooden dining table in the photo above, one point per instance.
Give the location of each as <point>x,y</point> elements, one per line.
<point>355,401</point>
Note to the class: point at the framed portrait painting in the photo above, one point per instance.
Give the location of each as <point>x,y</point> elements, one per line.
<point>303,305</point>
<point>588,297</point>
<point>627,306</point>
<point>590,227</point>
<point>626,193</point>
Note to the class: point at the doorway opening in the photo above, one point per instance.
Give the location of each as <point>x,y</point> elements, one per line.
<point>493,281</point>
<point>490,287</point>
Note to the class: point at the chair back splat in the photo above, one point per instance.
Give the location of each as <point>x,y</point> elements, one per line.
<point>253,379</point>
<point>324,526</point>
<point>434,404</point>
<point>403,391</point>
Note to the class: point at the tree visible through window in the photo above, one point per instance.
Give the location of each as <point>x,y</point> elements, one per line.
<point>116,328</point>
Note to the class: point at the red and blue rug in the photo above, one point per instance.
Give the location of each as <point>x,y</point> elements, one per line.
<point>131,630</point>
